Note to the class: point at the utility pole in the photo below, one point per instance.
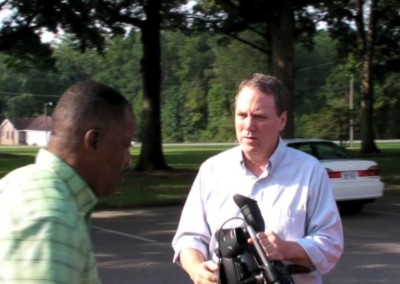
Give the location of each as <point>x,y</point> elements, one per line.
<point>45,115</point>
<point>351,111</point>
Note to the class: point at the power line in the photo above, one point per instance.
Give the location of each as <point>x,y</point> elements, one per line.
<point>316,66</point>
<point>21,94</point>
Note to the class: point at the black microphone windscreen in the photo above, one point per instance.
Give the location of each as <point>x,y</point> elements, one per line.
<point>251,212</point>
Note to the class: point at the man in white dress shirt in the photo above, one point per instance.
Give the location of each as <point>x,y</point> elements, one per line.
<point>292,189</point>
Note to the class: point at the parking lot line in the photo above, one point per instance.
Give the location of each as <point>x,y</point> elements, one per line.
<point>383,213</point>
<point>124,234</point>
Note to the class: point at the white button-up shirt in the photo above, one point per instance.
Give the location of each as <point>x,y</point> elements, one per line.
<point>295,199</point>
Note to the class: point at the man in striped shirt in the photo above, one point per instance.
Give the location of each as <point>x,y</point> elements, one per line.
<point>45,207</point>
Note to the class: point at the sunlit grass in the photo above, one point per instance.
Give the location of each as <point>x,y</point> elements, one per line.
<point>171,187</point>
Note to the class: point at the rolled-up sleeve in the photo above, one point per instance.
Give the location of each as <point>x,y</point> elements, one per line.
<point>324,237</point>
<point>193,231</point>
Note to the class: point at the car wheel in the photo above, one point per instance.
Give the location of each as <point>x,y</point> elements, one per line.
<point>350,207</point>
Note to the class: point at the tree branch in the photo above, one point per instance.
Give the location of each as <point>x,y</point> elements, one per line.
<point>255,46</point>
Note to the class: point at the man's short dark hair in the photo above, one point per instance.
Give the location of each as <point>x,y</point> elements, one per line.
<point>88,104</point>
<point>268,85</point>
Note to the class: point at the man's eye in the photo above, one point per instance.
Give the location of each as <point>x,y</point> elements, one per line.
<point>260,117</point>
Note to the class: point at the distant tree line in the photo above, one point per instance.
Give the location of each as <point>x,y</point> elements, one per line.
<point>200,76</point>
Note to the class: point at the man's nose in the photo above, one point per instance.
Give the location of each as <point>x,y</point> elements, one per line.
<point>249,122</point>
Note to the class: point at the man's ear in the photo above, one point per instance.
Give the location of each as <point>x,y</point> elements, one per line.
<point>91,139</point>
<point>283,120</point>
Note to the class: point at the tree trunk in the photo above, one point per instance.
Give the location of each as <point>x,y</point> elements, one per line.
<point>282,56</point>
<point>151,155</point>
<point>367,117</point>
<point>366,49</point>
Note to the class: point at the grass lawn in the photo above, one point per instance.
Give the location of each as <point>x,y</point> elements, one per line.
<point>171,187</point>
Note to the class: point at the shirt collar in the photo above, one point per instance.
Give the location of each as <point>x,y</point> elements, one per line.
<point>274,159</point>
<point>81,192</point>
<point>277,156</point>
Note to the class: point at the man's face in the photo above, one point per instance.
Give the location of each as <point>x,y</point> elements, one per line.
<point>257,124</point>
<point>113,155</point>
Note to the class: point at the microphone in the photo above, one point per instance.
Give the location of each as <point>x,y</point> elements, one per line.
<point>254,221</point>
<point>250,211</point>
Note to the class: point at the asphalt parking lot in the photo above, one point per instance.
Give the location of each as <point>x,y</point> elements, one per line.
<point>134,246</point>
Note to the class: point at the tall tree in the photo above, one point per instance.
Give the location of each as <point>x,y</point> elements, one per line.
<point>91,21</point>
<point>366,41</point>
<point>368,29</point>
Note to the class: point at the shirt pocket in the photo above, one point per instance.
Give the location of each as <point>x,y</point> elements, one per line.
<point>288,223</point>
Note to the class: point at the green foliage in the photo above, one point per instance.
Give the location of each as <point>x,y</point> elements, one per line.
<point>330,123</point>
<point>21,106</point>
<point>200,72</point>
<point>330,116</point>
<point>369,30</point>
<point>195,114</point>
<point>387,106</point>
<point>92,23</point>
<point>387,43</point>
<point>23,48</point>
<point>184,106</point>
<point>122,57</point>
<point>172,117</point>
<point>220,110</point>
<point>200,80</point>
<point>313,67</point>
<point>23,94</point>
<point>234,60</point>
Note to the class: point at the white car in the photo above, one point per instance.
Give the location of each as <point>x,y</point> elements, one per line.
<point>354,181</point>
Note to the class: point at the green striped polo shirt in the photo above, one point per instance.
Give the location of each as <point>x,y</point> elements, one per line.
<point>44,232</point>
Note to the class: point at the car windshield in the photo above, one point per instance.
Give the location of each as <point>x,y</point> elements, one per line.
<point>321,150</point>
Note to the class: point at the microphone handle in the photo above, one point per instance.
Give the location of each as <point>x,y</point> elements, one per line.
<point>268,269</point>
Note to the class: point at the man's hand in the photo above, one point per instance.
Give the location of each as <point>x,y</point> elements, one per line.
<point>275,248</point>
<point>199,270</point>
<point>278,249</point>
<point>205,273</point>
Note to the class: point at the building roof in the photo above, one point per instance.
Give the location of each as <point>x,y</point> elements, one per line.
<point>38,123</point>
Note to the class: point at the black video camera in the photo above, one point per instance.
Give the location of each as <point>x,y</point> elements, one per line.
<point>244,263</point>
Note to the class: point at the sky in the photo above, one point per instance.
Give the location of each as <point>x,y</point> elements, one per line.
<point>46,36</point>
